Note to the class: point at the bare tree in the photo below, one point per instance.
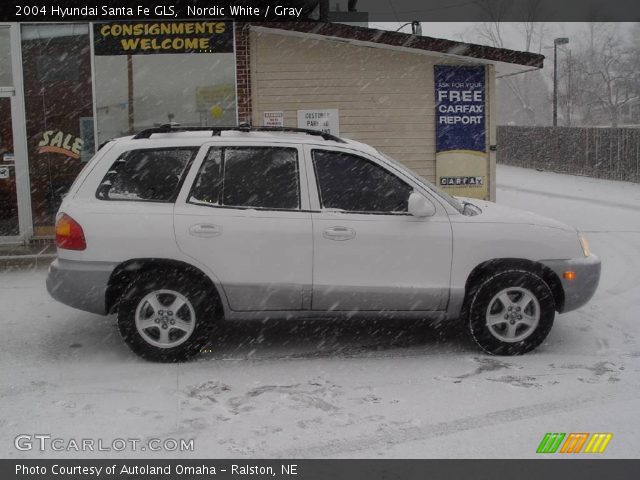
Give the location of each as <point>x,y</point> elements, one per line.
<point>524,88</point>
<point>607,73</point>
<point>531,31</point>
<point>569,95</point>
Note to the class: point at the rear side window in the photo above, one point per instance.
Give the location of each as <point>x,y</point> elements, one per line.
<point>249,177</point>
<point>152,175</point>
<point>354,184</point>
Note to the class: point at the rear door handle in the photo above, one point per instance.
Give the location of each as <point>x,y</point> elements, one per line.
<point>339,233</point>
<point>205,230</point>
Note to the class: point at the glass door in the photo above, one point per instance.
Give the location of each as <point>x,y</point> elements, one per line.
<point>9,224</point>
<point>14,181</point>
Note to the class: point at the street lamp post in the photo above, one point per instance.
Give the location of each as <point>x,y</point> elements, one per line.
<point>556,42</point>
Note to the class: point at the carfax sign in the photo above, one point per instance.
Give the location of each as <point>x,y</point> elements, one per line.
<point>461,145</point>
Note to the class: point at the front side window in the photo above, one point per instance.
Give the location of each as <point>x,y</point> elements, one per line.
<point>249,177</point>
<point>455,203</point>
<point>152,175</point>
<point>353,184</point>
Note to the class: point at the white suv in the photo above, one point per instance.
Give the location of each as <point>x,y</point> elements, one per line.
<point>176,228</point>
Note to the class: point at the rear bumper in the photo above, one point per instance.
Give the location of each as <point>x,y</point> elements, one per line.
<point>579,291</point>
<point>81,285</point>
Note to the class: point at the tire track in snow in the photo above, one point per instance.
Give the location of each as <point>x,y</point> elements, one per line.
<point>398,435</point>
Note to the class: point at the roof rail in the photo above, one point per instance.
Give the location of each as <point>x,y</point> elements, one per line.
<point>169,128</point>
<point>308,131</point>
<point>216,131</point>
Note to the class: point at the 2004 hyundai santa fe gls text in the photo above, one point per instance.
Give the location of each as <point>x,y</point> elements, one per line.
<point>176,228</point>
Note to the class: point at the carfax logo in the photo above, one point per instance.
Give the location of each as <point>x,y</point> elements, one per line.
<point>461,181</point>
<point>573,443</point>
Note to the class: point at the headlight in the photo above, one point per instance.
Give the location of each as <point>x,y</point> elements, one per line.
<point>584,243</point>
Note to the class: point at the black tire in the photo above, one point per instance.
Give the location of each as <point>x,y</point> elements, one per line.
<point>514,283</point>
<point>204,304</point>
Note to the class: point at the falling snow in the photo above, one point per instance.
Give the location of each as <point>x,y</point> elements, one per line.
<point>352,389</point>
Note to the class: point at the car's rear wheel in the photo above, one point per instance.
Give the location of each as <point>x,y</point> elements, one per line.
<point>511,312</point>
<point>167,316</point>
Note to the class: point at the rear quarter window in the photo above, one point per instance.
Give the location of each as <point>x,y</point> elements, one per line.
<point>150,175</point>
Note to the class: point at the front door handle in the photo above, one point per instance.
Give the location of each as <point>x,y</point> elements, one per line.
<point>205,230</point>
<point>339,233</point>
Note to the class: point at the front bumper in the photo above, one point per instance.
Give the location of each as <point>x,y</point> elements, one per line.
<point>81,285</point>
<point>579,291</point>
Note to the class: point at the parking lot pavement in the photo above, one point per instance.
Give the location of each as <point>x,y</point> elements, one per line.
<point>351,389</point>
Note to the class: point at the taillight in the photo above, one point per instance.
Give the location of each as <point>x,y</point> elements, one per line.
<point>69,234</point>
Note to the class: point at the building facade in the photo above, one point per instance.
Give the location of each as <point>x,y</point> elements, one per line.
<point>67,88</point>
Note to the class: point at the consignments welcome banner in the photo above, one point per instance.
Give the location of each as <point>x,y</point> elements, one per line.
<point>135,38</point>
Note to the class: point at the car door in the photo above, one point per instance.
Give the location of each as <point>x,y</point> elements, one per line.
<point>369,252</point>
<point>246,217</point>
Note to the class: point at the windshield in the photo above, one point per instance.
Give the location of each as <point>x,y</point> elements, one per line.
<point>455,203</point>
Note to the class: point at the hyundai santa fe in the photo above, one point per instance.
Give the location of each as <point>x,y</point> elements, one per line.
<point>177,228</point>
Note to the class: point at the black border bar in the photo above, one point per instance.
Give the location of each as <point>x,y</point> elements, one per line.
<point>320,10</point>
<point>583,469</point>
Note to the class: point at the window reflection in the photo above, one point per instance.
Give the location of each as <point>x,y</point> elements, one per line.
<point>56,62</point>
<point>190,89</point>
<point>6,79</point>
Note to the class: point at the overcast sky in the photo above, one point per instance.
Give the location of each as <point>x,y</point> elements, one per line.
<point>461,31</point>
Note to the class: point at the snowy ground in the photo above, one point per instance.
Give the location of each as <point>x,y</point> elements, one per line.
<point>352,390</point>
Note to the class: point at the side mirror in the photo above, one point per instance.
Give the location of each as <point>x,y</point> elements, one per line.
<point>420,206</point>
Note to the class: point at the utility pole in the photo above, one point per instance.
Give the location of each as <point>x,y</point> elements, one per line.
<point>569,89</point>
<point>556,42</point>
<point>130,106</point>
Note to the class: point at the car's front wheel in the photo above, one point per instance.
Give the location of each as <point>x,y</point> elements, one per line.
<point>511,312</point>
<point>166,316</point>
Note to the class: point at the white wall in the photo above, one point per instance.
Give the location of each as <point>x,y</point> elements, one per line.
<point>385,97</point>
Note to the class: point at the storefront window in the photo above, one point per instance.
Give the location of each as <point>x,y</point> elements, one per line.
<point>6,75</point>
<point>59,111</point>
<point>151,73</point>
<point>9,225</point>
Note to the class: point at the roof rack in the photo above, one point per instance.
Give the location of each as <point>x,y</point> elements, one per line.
<point>216,131</point>
<point>170,128</point>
